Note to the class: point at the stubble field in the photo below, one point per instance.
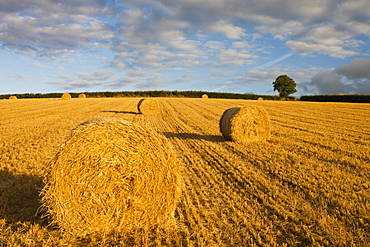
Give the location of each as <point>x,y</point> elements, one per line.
<point>308,185</point>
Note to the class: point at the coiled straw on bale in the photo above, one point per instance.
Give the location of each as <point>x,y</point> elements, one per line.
<point>13,97</point>
<point>66,96</point>
<point>148,106</point>
<point>82,96</point>
<point>245,124</point>
<point>112,175</point>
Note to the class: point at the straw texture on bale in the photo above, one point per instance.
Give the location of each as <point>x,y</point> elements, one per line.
<point>13,97</point>
<point>66,96</point>
<point>112,175</point>
<point>148,106</point>
<point>260,98</point>
<point>204,96</point>
<point>82,96</point>
<point>245,124</point>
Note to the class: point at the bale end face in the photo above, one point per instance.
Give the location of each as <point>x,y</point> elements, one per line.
<point>66,96</point>
<point>245,124</point>
<point>148,106</point>
<point>112,175</point>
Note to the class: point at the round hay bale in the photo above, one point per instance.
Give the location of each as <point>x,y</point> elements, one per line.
<point>66,96</point>
<point>204,96</point>
<point>82,96</point>
<point>260,98</point>
<point>148,106</point>
<point>112,175</point>
<point>13,97</point>
<point>245,124</point>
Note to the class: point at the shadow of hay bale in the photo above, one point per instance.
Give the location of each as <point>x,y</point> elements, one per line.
<point>186,136</point>
<point>19,197</point>
<point>123,112</point>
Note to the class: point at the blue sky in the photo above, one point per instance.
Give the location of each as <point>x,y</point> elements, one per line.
<point>237,46</point>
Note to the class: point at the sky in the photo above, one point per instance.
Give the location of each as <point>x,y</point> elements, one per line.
<point>238,46</point>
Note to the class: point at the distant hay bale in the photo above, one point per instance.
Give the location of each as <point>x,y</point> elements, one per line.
<point>245,124</point>
<point>260,98</point>
<point>82,96</point>
<point>148,106</point>
<point>204,96</point>
<point>66,96</point>
<point>13,97</point>
<point>112,175</point>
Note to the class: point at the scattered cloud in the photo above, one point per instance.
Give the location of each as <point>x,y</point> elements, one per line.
<point>307,49</point>
<point>98,76</point>
<point>229,30</point>
<point>142,42</point>
<point>20,77</point>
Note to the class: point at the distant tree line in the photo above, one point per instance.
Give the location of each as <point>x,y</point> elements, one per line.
<point>353,98</point>
<point>186,94</point>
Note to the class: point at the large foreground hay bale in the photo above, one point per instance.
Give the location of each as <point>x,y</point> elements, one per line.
<point>13,97</point>
<point>245,124</point>
<point>112,175</point>
<point>82,96</point>
<point>148,106</point>
<point>204,96</point>
<point>66,96</point>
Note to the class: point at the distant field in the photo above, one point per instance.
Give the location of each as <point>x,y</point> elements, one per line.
<point>308,185</point>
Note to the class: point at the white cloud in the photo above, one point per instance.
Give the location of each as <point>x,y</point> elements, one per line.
<point>30,32</point>
<point>282,29</point>
<point>123,82</point>
<point>312,24</point>
<point>242,45</point>
<point>229,30</point>
<point>221,73</point>
<point>98,76</point>
<point>327,34</point>
<point>359,27</point>
<point>357,10</point>
<point>232,57</point>
<point>306,48</point>
<point>21,77</point>
<point>159,37</point>
<point>185,45</point>
<point>214,45</point>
